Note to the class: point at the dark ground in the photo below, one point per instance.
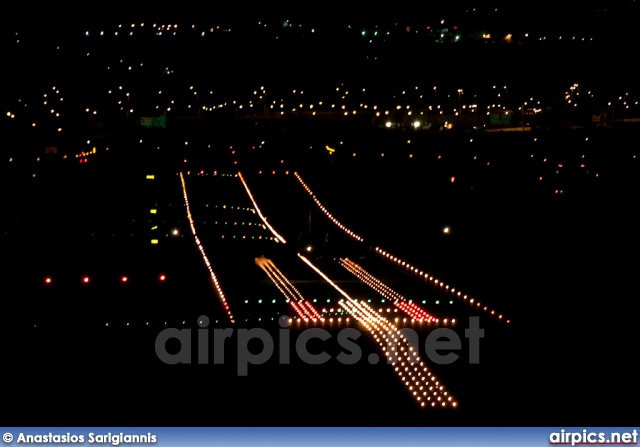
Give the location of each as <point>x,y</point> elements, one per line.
<point>561,266</point>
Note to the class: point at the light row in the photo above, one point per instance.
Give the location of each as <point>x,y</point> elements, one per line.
<point>327,213</point>
<point>413,310</point>
<point>255,206</point>
<point>382,288</point>
<point>269,238</point>
<point>305,311</point>
<point>273,172</point>
<point>249,224</point>
<point>299,320</point>
<point>302,307</point>
<point>425,388</point>
<point>214,278</point>
<point>290,293</point>
<point>404,358</point>
<point>440,284</point>
<point>48,280</point>
<point>137,324</point>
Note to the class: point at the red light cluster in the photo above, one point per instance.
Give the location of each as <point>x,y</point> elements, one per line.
<point>414,311</point>
<point>305,311</point>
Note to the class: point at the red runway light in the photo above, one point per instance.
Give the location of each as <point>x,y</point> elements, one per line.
<point>162,277</point>
<point>48,280</point>
<point>85,279</point>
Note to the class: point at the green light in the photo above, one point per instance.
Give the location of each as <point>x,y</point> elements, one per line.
<point>259,301</point>
<point>424,301</point>
<point>246,301</point>
<point>383,300</point>
<point>315,300</point>
<point>147,323</point>
<point>274,301</point>
<point>451,302</point>
<point>107,324</point>
<point>438,302</point>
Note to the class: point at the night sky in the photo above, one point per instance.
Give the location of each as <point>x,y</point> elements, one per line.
<point>535,13</point>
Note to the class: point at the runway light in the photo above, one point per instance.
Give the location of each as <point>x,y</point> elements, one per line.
<point>85,280</point>
<point>124,279</point>
<point>162,277</point>
<point>48,280</point>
